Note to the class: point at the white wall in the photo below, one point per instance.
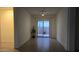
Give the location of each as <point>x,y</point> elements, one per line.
<point>22,25</point>
<point>62,18</point>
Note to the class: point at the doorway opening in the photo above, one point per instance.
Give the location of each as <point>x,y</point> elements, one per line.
<point>43,28</point>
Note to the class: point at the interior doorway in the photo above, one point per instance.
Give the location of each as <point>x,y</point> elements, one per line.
<point>43,28</point>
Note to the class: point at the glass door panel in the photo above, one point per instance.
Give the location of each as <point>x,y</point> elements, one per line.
<point>43,28</point>
<point>46,28</point>
<point>40,28</point>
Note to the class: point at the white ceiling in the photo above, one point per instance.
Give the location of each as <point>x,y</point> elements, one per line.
<point>37,10</point>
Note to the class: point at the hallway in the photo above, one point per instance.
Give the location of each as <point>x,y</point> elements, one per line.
<point>22,24</point>
<point>42,44</point>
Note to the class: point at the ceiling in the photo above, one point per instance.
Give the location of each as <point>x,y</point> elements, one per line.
<point>37,10</point>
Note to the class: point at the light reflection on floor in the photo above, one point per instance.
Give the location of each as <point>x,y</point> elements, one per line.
<point>43,44</point>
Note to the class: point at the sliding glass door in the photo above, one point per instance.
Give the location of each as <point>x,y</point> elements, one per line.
<point>43,28</point>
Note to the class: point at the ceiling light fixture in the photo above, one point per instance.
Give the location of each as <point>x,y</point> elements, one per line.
<point>43,12</point>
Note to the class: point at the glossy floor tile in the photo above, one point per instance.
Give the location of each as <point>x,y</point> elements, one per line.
<point>42,44</point>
